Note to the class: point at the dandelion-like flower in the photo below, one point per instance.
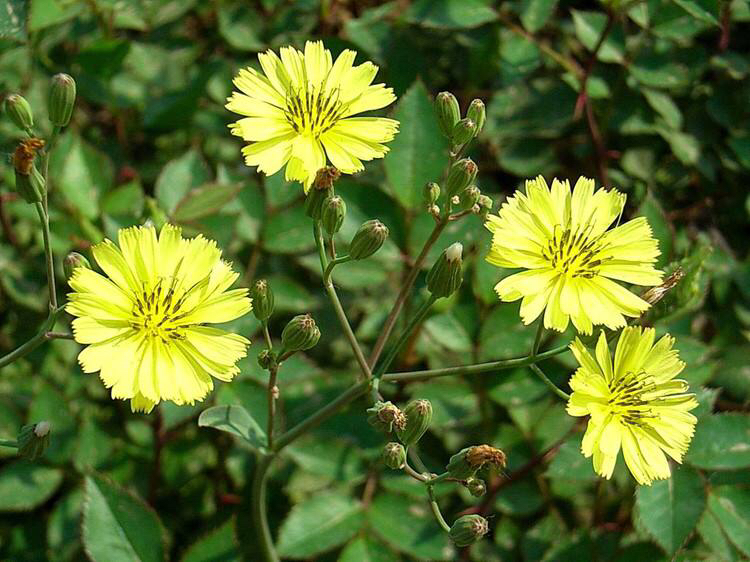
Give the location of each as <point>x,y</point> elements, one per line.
<point>635,403</point>
<point>144,322</point>
<point>561,239</point>
<point>300,109</point>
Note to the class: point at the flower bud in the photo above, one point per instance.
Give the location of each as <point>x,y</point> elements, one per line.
<point>431,193</point>
<point>458,466</point>
<point>368,239</point>
<point>467,461</point>
<point>468,529</point>
<point>326,177</point>
<point>477,114</point>
<point>418,417</point>
<point>446,275</point>
<point>266,359</point>
<point>461,174</point>
<point>332,216</point>
<point>434,210</point>
<point>62,98</point>
<point>30,186</point>
<point>33,440</point>
<point>463,131</point>
<point>470,197</point>
<point>73,260</point>
<point>19,111</point>
<point>262,296</point>
<point>448,112</point>
<point>300,334</point>
<point>394,456</point>
<point>314,201</point>
<point>385,416</point>
<point>476,487</point>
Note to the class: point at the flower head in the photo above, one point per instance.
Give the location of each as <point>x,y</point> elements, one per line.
<point>635,404</point>
<point>144,321</point>
<point>301,109</point>
<point>561,239</point>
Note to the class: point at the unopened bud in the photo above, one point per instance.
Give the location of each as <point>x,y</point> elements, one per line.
<point>314,201</point>
<point>476,209</point>
<point>485,205</point>
<point>476,487</point>
<point>385,416</point>
<point>477,114</point>
<point>263,300</point>
<point>461,174</point>
<point>446,275</point>
<point>72,261</point>
<point>468,529</point>
<point>418,417</point>
<point>368,239</point>
<point>300,334</point>
<point>332,216</point>
<point>62,98</point>
<point>431,193</point>
<point>19,111</point>
<point>394,456</point>
<point>434,210</point>
<point>30,186</point>
<point>266,359</point>
<point>463,131</point>
<point>470,197</point>
<point>448,112</point>
<point>33,440</point>
<point>467,461</point>
<point>455,200</point>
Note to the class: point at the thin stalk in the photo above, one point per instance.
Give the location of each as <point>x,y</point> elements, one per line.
<point>12,443</point>
<point>537,338</point>
<point>562,394</point>
<point>267,337</point>
<point>272,396</point>
<point>413,473</point>
<point>436,510</point>
<point>260,478</point>
<point>413,323</point>
<point>329,269</point>
<point>59,336</point>
<point>390,322</point>
<point>33,343</point>
<point>44,218</point>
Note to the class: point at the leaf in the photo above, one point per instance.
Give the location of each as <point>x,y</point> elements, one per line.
<point>288,232</point>
<point>536,13</point>
<point>239,26</point>
<point>367,549</point>
<point>704,10</point>
<point>63,527</point>
<point>450,14</point>
<point>663,104</point>
<point>662,230</point>
<point>335,459</point>
<point>712,534</point>
<point>204,201</point>
<point>13,20</point>
<point>417,153</point>
<point>731,507</point>
<point>178,177</point>
<point>45,13</point>
<point>24,485</point>
<point>670,509</point>
<point>320,524</point>
<point>219,545</point>
<point>503,335</point>
<point>118,526</point>
<point>235,420</point>
<point>589,27</point>
<point>721,442</point>
<point>684,146</point>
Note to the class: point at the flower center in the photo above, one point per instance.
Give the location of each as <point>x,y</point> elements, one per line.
<point>157,312</point>
<point>627,397</point>
<point>575,252</point>
<point>311,111</point>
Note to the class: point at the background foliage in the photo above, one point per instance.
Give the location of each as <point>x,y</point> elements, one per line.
<point>664,117</point>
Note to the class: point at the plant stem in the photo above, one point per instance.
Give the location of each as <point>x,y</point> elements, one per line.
<point>59,336</point>
<point>44,218</point>
<point>436,510</point>
<point>562,394</point>
<point>267,337</point>
<point>334,298</point>
<point>413,323</point>
<point>33,343</point>
<point>12,443</point>
<point>329,269</point>
<point>272,396</point>
<point>260,478</point>
<point>390,322</point>
<point>537,338</point>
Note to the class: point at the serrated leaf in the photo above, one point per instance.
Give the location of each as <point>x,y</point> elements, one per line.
<point>320,524</point>
<point>731,507</point>
<point>535,13</point>
<point>204,201</point>
<point>235,420</point>
<point>712,534</point>
<point>670,509</point>
<point>367,549</point>
<point>418,153</point>
<point>219,545</point>
<point>721,442</point>
<point>178,177</point>
<point>24,485</point>
<point>118,526</point>
<point>450,14</point>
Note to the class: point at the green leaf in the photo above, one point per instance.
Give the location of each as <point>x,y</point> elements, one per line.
<point>337,460</point>
<point>118,526</point>
<point>204,201</point>
<point>288,232</point>
<point>663,104</point>
<point>712,534</point>
<point>418,153</point>
<point>589,27</point>
<point>670,509</point>
<point>662,229</point>
<point>731,507</point>
<point>45,13</point>
<point>367,549</point>
<point>503,335</point>
<point>536,13</point>
<point>24,486</point>
<point>721,442</point>
<point>13,20</point>
<point>239,26</point>
<point>320,524</point>
<point>235,420</point>
<point>450,14</point>
<point>685,146</point>
<point>63,527</point>
<point>178,177</point>
<point>219,545</point>
<point>704,10</point>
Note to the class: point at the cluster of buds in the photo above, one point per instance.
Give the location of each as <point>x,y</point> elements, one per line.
<point>322,205</point>
<point>386,416</point>
<point>33,440</point>
<point>446,276</point>
<point>465,464</point>
<point>459,131</point>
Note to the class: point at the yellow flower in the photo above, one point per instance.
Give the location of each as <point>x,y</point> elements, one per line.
<point>634,403</point>
<point>303,104</point>
<point>144,323</point>
<point>561,239</point>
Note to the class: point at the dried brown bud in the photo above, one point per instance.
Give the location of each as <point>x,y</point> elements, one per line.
<point>480,455</point>
<point>326,177</point>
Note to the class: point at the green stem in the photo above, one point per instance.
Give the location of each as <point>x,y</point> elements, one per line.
<point>329,269</point>
<point>267,337</point>
<point>12,443</point>
<point>538,338</point>
<point>564,395</point>
<point>413,323</point>
<point>44,218</point>
<point>272,396</point>
<point>260,478</point>
<point>33,343</point>
<point>436,510</point>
